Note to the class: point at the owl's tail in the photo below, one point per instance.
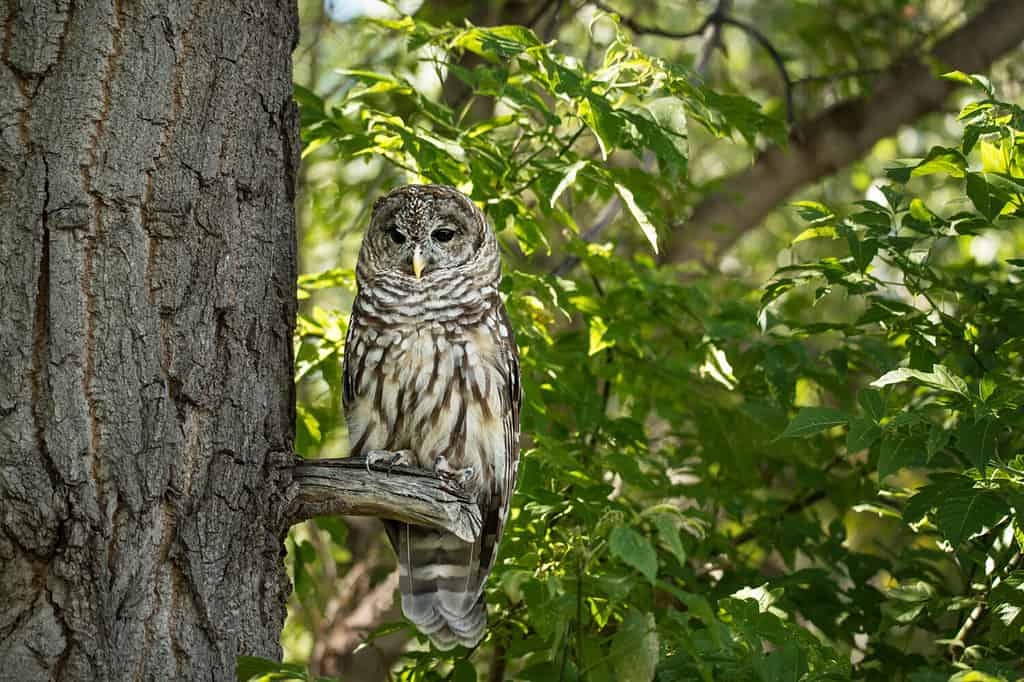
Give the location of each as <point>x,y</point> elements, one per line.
<point>441,579</point>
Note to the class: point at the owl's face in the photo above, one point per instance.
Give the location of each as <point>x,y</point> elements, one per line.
<point>424,231</point>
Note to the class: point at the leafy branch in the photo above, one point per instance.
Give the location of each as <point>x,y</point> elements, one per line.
<point>715,21</point>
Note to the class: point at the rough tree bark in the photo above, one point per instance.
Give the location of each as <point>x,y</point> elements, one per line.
<point>148,152</point>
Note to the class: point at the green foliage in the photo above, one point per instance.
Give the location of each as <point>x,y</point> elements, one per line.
<point>817,479</point>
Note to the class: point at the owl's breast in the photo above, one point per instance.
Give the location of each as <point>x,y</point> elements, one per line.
<point>435,389</point>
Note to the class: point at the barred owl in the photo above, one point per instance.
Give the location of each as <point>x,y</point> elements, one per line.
<point>432,379</point>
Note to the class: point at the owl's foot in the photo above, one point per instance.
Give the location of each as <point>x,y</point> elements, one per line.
<point>460,478</point>
<point>389,459</point>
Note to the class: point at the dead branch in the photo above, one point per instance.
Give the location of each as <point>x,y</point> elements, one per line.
<point>330,487</point>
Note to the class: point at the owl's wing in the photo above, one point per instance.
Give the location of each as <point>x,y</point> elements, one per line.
<point>348,388</point>
<point>501,493</point>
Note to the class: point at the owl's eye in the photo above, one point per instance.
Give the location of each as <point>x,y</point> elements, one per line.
<point>443,235</point>
<point>396,236</point>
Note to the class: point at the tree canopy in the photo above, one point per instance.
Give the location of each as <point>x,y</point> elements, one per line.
<point>763,261</point>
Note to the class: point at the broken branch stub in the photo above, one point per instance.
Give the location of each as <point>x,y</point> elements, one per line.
<point>329,487</point>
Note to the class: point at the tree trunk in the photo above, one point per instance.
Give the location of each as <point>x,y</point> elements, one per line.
<point>148,152</point>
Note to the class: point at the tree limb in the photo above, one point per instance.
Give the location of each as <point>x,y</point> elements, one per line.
<point>329,487</point>
<point>716,20</point>
<point>843,133</point>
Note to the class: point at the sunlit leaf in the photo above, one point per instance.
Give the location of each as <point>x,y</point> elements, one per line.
<point>635,550</point>
<point>811,420</point>
<point>639,215</point>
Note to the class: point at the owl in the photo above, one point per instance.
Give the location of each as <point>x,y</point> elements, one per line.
<point>431,379</point>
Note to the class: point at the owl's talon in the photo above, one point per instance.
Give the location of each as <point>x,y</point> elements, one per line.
<point>460,478</point>
<point>389,459</point>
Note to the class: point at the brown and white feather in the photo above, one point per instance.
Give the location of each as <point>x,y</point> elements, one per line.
<point>431,366</point>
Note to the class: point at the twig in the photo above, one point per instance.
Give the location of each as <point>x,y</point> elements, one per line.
<point>549,32</point>
<point>960,640</point>
<point>636,27</point>
<point>776,56</point>
<point>604,219</point>
<point>720,18</point>
<point>714,40</point>
<point>794,507</point>
<point>541,11</point>
<point>327,487</point>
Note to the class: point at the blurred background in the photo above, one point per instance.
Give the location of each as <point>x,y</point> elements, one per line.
<point>656,383</point>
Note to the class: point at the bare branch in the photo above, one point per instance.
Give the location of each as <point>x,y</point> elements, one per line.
<point>637,27</point>
<point>775,55</point>
<point>329,487</point>
<point>714,40</point>
<point>843,133</point>
<point>716,20</point>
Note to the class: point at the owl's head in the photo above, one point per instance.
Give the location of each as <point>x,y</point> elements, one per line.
<point>424,233</point>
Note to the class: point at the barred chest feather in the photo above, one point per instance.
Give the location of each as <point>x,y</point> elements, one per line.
<point>434,387</point>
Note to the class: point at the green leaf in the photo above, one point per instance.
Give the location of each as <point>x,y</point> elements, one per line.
<point>529,233</point>
<point>907,601</point>
<point>872,402</point>
<point>862,434</point>
<point>877,222</point>
<point>986,387</point>
<point>938,439</point>
<point>249,667</point>
<point>307,431</point>
<point>975,80</point>
<point>716,365</point>
<point>899,452</point>
<point>638,214</point>
<point>965,511</point>
<point>978,441</point>
<point>814,233</point>
<point>497,42</point>
<point>570,177</point>
<point>599,117</point>
<point>634,550</point>
<point>987,198</point>
<point>669,138</point>
<point>1007,603</point>
<point>942,160</point>
<point>914,592</point>
<point>813,211</point>
<point>810,420</point>
<point>940,378</point>
<point>861,250</point>
<point>668,533</point>
<point>598,329</point>
<point>635,648</point>
<point>788,663</point>
<point>463,671</point>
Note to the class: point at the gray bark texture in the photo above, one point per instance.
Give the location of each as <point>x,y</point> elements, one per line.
<point>336,487</point>
<point>148,152</point>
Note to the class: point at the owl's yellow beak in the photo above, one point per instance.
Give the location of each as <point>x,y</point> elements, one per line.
<point>418,262</point>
